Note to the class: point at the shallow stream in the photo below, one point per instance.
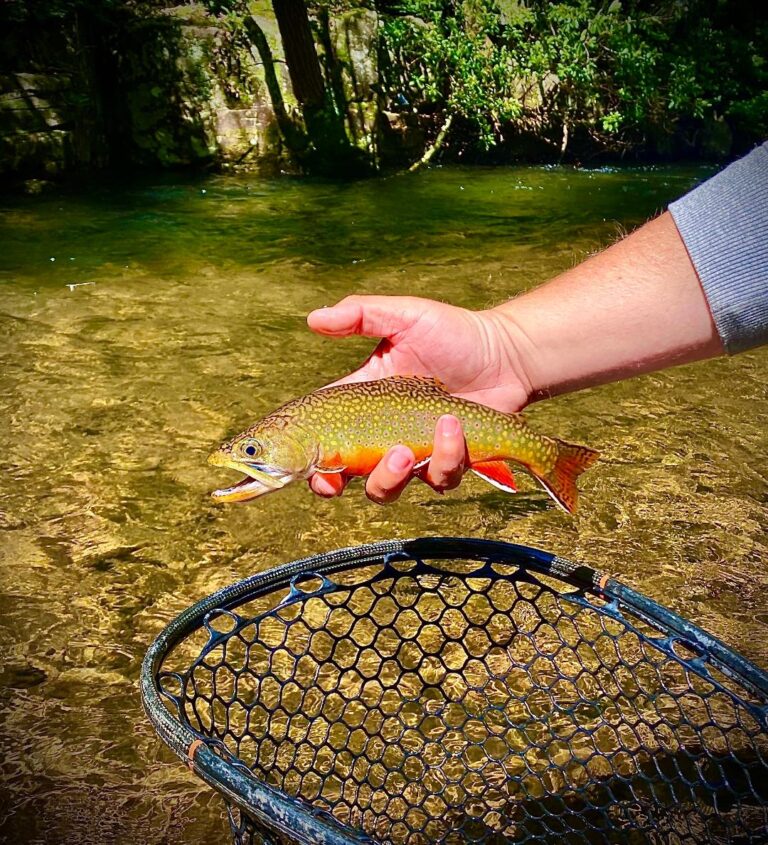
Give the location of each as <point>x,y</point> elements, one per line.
<point>142,323</point>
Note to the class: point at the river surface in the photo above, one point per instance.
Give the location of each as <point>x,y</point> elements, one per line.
<point>142,323</point>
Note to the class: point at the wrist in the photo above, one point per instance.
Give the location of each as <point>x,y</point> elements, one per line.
<point>516,351</point>
<point>539,341</point>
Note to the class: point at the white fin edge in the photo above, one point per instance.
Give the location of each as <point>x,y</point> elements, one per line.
<point>497,484</point>
<point>554,498</point>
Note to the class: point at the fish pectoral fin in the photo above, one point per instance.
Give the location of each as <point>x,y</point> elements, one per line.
<point>330,470</point>
<point>497,473</point>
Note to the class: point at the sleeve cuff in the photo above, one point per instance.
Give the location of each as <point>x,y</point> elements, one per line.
<point>724,225</point>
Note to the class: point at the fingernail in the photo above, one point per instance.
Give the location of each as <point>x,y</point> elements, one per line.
<point>399,459</point>
<point>449,426</point>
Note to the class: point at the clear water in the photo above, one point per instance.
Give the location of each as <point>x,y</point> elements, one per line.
<point>140,324</point>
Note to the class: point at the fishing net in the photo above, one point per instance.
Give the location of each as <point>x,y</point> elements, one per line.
<point>460,691</point>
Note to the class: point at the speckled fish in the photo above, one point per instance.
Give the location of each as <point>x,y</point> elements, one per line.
<point>350,427</point>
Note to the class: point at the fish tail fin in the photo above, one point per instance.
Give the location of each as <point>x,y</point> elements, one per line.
<point>560,482</point>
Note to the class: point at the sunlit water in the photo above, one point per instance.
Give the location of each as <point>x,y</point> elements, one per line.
<point>141,324</point>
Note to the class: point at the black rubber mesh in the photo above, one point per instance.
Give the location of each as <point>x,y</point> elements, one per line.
<point>465,702</point>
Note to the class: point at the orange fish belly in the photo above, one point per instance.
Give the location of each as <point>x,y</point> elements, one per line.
<point>363,461</point>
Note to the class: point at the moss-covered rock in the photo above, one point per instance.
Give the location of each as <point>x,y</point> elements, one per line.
<point>43,130</point>
<point>354,37</point>
<point>169,87</point>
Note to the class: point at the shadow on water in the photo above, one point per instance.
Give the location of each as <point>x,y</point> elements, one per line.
<point>511,506</point>
<point>243,224</point>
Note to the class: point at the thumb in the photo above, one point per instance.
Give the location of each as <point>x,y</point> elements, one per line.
<point>370,316</point>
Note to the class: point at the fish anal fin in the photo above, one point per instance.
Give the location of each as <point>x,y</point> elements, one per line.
<point>496,473</point>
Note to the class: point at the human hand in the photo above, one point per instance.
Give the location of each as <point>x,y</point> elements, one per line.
<point>471,352</point>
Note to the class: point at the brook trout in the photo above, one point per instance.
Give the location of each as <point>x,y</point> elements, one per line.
<point>350,427</point>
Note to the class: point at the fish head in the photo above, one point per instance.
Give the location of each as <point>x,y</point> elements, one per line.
<point>270,455</point>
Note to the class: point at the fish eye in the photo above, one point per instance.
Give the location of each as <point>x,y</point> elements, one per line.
<point>249,447</point>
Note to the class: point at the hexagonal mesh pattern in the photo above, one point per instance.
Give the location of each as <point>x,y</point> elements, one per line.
<point>455,701</point>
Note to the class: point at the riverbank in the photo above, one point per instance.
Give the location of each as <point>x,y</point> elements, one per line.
<point>91,86</point>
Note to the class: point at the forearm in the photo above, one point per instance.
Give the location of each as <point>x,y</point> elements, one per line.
<point>634,308</point>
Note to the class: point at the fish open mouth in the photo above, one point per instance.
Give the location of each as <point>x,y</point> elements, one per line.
<point>258,480</point>
<point>246,489</point>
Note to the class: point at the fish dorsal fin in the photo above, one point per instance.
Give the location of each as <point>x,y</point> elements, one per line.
<point>427,381</point>
<point>497,473</point>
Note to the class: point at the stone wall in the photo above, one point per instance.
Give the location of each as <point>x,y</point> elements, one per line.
<point>197,96</point>
<point>36,131</point>
<point>173,90</point>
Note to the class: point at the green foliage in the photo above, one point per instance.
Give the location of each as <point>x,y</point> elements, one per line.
<point>751,113</point>
<point>459,62</point>
<point>619,72</point>
<point>584,75</point>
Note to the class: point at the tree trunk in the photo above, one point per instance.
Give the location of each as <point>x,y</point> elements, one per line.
<point>300,54</point>
<point>331,64</point>
<point>326,131</point>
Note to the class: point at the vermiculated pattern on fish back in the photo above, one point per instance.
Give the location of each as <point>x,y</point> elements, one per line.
<point>406,410</point>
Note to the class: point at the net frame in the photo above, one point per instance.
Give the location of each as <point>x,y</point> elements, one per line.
<point>261,813</point>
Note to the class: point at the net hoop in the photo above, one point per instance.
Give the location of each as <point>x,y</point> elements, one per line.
<point>300,822</point>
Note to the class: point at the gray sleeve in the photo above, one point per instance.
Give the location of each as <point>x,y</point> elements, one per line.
<point>724,225</point>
